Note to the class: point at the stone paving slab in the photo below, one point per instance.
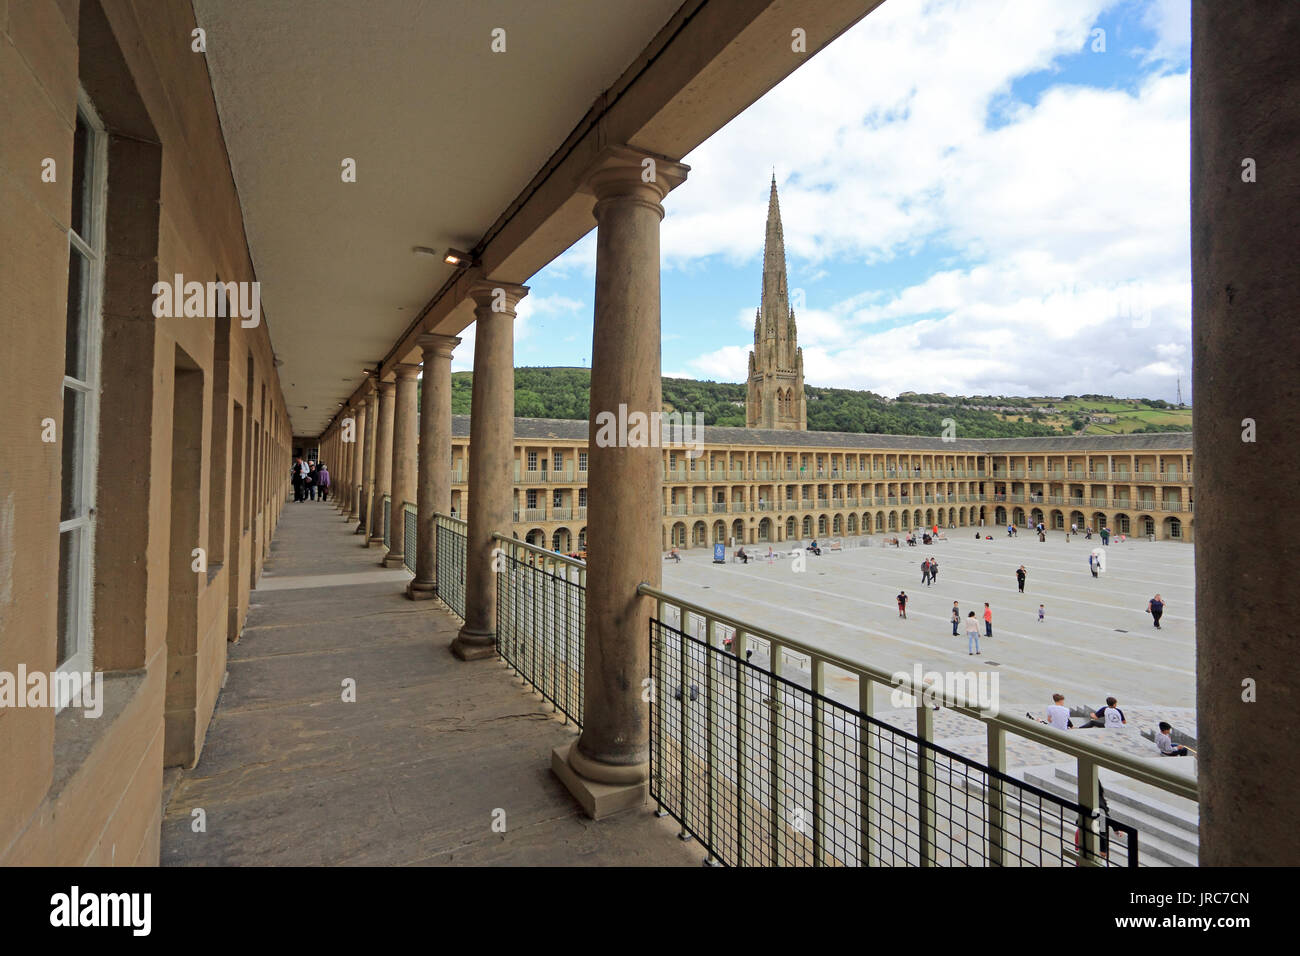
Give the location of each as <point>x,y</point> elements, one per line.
<point>412,772</point>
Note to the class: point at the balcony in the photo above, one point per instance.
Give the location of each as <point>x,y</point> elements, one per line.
<point>534,514</point>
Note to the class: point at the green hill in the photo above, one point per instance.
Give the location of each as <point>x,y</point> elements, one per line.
<point>563,393</point>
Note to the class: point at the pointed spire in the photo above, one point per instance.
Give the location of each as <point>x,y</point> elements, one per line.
<point>775,303</point>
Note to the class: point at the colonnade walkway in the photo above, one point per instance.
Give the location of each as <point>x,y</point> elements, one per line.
<point>415,771</point>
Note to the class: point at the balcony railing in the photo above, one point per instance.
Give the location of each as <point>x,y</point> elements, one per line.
<point>758,763</point>
<point>409,534</point>
<point>541,621</point>
<point>451,534</point>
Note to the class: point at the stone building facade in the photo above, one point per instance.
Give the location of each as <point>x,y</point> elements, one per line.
<point>755,486</point>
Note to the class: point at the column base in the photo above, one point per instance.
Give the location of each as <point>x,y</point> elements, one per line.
<point>474,645</point>
<point>598,799</point>
<point>392,560</point>
<point>421,591</point>
<point>375,542</point>
<point>361,528</point>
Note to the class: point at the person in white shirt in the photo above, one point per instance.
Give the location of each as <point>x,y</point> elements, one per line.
<point>1058,715</point>
<point>1110,717</point>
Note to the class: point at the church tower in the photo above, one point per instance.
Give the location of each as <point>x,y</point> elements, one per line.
<point>775,396</point>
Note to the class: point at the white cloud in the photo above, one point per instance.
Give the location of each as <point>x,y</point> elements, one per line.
<point>1067,225</point>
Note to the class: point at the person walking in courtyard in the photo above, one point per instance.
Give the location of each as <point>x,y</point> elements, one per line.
<point>902,604</point>
<point>934,570</point>
<point>1156,607</point>
<point>1020,578</point>
<point>972,634</point>
<point>1092,564</point>
<point>313,481</point>
<point>956,618</point>
<point>323,481</point>
<point>1105,536</point>
<point>988,620</point>
<point>1042,611</point>
<point>925,571</point>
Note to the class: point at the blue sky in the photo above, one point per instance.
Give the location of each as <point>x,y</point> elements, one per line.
<point>976,198</point>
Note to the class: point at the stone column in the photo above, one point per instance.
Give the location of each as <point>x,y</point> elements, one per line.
<point>366,491</point>
<point>491,450</point>
<point>434,492</point>
<point>607,767</point>
<point>403,466</point>
<point>383,463</point>
<point>1245,277</point>
<point>340,474</point>
<point>356,468</point>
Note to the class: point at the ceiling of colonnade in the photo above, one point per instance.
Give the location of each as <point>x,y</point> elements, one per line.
<point>444,132</point>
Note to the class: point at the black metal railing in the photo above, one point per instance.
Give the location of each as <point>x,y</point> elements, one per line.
<point>388,521</point>
<point>541,620</point>
<point>450,566</point>
<point>766,772</point>
<point>408,536</point>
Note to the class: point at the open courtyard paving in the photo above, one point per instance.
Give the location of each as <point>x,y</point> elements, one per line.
<point>1096,639</point>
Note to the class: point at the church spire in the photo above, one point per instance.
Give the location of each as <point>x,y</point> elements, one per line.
<point>775,391</point>
<point>775,302</point>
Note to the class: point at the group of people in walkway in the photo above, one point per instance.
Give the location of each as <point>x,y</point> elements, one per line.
<point>929,571</point>
<point>311,481</point>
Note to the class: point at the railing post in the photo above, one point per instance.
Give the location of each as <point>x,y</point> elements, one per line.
<point>866,706</point>
<point>776,754</point>
<point>926,781</point>
<point>818,720</point>
<point>997,747</point>
<point>710,690</point>
<point>1089,778</point>
<point>742,723</point>
<point>683,735</point>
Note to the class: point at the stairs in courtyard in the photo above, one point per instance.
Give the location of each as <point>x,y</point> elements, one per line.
<point>1168,833</point>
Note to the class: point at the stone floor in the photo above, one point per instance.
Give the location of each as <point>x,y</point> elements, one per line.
<point>1095,639</point>
<point>415,771</point>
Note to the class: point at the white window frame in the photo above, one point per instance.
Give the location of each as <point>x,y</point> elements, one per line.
<point>81,638</point>
<point>557,461</point>
<point>532,461</point>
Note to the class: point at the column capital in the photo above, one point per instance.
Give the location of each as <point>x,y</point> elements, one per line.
<point>406,370</point>
<point>435,345</point>
<point>385,388</point>
<point>629,173</point>
<point>497,297</point>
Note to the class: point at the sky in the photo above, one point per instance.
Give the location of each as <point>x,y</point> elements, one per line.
<point>978,197</point>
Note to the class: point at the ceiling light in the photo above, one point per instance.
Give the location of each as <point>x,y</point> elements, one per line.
<point>454,257</point>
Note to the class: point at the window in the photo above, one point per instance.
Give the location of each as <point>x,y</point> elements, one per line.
<point>81,391</point>
<point>582,461</point>
<point>559,461</point>
<point>582,497</point>
<point>532,461</point>
<point>557,499</point>
<point>672,461</point>
<point>532,497</point>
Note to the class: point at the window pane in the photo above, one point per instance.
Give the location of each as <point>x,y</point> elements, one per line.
<point>81,161</point>
<point>74,418</point>
<point>74,362</point>
<point>69,600</point>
